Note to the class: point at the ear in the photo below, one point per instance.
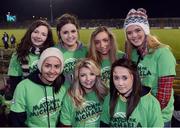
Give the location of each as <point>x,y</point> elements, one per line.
<point>132,77</point>
<point>58,34</point>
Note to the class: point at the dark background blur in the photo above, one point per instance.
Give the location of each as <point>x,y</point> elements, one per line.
<point>87,9</point>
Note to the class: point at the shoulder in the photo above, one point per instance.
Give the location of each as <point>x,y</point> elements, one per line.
<point>14,55</point>
<point>164,54</point>
<point>163,51</point>
<point>24,85</point>
<point>14,58</point>
<point>149,101</point>
<point>67,100</point>
<point>120,54</point>
<point>63,90</point>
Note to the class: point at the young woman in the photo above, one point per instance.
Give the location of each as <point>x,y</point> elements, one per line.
<point>37,99</point>
<point>82,104</point>
<point>129,103</point>
<point>103,50</point>
<point>72,48</point>
<point>37,38</point>
<point>156,63</point>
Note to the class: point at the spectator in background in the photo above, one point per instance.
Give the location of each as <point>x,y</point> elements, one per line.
<point>129,104</point>
<point>24,61</point>
<point>103,50</point>
<point>5,40</point>
<point>156,63</point>
<point>37,99</point>
<point>82,105</point>
<point>68,33</point>
<point>12,41</point>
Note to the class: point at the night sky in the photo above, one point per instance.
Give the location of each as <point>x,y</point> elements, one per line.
<point>88,9</point>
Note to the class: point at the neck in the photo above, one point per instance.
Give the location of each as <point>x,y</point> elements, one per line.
<point>127,94</point>
<point>87,90</point>
<point>44,80</point>
<point>71,47</point>
<point>105,56</point>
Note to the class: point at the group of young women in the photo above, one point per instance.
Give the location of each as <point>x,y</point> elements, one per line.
<point>68,84</point>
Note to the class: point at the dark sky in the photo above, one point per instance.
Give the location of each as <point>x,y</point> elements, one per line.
<point>88,9</point>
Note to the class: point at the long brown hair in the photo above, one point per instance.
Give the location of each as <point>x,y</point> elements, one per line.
<point>93,54</point>
<point>66,19</point>
<point>134,97</point>
<point>26,43</point>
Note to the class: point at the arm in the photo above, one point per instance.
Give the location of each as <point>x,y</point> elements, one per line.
<point>67,112</point>
<point>102,124</point>
<point>164,90</point>
<point>63,126</point>
<point>166,72</point>
<point>154,115</point>
<point>105,115</point>
<point>18,114</point>
<point>13,81</point>
<point>17,119</point>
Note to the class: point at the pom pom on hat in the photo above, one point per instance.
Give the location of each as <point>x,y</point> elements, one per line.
<point>48,53</point>
<point>137,17</point>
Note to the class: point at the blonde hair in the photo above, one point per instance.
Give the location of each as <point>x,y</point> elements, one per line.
<point>77,92</point>
<point>152,43</point>
<point>93,54</point>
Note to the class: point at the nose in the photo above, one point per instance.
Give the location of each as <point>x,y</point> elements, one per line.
<point>120,82</point>
<point>39,35</point>
<point>70,34</point>
<point>102,44</point>
<point>52,70</point>
<point>134,34</point>
<point>87,78</point>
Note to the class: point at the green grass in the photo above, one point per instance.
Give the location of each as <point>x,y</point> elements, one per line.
<point>167,36</point>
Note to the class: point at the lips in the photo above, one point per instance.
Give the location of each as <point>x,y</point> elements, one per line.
<point>89,83</point>
<point>37,40</point>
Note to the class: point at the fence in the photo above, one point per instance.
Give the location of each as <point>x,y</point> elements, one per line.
<point>117,23</point>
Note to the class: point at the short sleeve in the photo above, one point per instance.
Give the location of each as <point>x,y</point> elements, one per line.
<point>67,111</point>
<point>105,116</point>
<point>154,113</point>
<point>14,66</point>
<point>166,63</point>
<point>19,101</point>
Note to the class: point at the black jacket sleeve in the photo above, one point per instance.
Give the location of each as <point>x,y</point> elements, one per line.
<point>14,81</point>
<point>102,124</point>
<point>17,119</point>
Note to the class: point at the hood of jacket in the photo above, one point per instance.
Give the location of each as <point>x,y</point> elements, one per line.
<point>145,90</point>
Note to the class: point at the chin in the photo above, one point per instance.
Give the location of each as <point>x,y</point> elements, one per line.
<point>51,80</point>
<point>38,45</point>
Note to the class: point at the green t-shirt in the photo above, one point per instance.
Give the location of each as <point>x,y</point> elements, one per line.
<point>155,65</point>
<point>106,68</point>
<point>70,59</point>
<point>15,68</point>
<point>86,116</point>
<point>146,114</point>
<point>30,97</point>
